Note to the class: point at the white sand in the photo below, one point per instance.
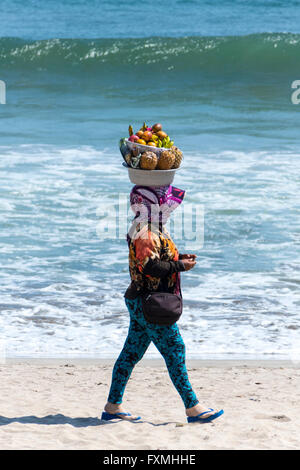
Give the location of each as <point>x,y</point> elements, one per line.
<point>56,404</point>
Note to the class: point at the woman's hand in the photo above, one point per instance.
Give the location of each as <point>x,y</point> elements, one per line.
<point>186,256</point>
<point>188,263</point>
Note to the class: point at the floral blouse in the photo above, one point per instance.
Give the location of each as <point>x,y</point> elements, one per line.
<point>154,263</point>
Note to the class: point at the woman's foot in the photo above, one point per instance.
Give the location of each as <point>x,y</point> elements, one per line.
<point>198,409</point>
<point>115,408</point>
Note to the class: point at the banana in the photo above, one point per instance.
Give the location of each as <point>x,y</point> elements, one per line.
<point>166,142</point>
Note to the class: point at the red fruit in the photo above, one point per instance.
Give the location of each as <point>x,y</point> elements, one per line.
<point>133,138</point>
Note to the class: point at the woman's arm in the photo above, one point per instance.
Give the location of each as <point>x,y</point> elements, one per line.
<point>157,268</point>
<point>147,250</point>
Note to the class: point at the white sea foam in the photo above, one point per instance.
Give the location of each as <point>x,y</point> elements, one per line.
<point>62,286</point>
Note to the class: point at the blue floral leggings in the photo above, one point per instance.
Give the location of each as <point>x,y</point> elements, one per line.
<point>167,340</point>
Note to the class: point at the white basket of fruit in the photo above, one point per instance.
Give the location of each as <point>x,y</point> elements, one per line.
<point>150,156</point>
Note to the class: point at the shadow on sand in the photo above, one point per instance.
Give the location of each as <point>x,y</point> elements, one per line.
<point>75,422</point>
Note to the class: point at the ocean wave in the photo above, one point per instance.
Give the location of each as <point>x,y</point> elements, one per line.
<point>268,52</point>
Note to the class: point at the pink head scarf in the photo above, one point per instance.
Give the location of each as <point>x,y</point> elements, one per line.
<point>155,203</point>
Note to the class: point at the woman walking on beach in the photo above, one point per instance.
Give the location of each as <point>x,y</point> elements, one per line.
<point>155,266</point>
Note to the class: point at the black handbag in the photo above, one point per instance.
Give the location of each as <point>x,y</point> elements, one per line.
<point>162,308</point>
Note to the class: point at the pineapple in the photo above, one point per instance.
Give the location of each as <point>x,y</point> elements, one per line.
<point>166,160</point>
<point>148,161</point>
<point>178,156</point>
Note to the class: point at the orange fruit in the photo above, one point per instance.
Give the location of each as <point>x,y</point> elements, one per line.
<point>141,141</point>
<point>147,136</point>
<point>162,135</point>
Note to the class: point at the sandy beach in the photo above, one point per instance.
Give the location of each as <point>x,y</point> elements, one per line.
<point>56,404</point>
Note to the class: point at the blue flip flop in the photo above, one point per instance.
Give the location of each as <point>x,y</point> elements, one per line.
<point>108,416</point>
<point>197,419</point>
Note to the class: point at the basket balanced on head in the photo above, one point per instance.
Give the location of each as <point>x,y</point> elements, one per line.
<point>150,156</point>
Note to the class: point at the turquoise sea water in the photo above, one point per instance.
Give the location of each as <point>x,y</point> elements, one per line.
<point>218,76</point>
